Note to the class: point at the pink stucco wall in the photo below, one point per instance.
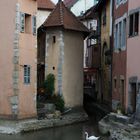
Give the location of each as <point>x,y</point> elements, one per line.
<point>133,50</point>
<point>27,44</point>
<point>133,4</point>
<point>7,26</point>
<point>27,56</point>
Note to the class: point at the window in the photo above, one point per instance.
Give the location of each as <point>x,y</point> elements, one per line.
<point>134,24</point>
<point>25,23</point>
<point>34,25</point>
<point>124,34</point>
<point>116,36</point>
<point>26,74</point>
<point>119,2</point>
<point>54,39</point>
<point>120,35</point>
<point>93,25</point>
<point>104,16</point>
<point>115,83</point>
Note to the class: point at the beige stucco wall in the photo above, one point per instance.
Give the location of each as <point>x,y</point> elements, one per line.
<point>7,24</point>
<point>73,68</point>
<point>69,45</point>
<point>52,54</point>
<point>42,15</point>
<point>27,56</point>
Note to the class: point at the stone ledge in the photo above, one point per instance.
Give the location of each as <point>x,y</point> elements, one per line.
<point>119,127</point>
<point>14,127</point>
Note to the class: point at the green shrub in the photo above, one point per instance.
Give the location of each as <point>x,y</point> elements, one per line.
<point>59,102</point>
<point>49,84</point>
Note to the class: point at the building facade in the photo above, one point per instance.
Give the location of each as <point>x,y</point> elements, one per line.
<point>18,71</point>
<point>133,73</point>
<point>91,53</point>
<point>64,42</point>
<point>125,57</point>
<point>119,55</point>
<point>79,7</point>
<point>104,9</point>
<point>45,7</point>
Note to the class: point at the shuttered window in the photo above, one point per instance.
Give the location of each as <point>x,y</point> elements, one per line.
<point>34,25</point>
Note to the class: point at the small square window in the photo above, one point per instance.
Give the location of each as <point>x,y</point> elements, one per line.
<point>134,24</point>
<point>25,23</point>
<point>26,74</point>
<point>115,83</point>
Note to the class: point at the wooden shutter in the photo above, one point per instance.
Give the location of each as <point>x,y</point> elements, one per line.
<point>22,22</point>
<point>34,25</point>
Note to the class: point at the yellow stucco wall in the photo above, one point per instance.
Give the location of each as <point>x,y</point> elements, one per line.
<point>105,29</point>
<point>105,37</point>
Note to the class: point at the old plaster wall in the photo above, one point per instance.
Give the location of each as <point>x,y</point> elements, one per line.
<point>105,38</point>
<point>6,55</point>
<point>132,60</point>
<point>42,16</point>
<point>119,59</point>
<point>73,68</point>
<point>27,56</point>
<point>52,54</point>
<point>64,58</point>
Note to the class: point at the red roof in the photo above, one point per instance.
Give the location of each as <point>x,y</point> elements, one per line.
<point>45,4</point>
<point>62,16</point>
<point>69,3</point>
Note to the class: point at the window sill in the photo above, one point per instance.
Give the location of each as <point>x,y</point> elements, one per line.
<point>27,84</point>
<point>131,36</point>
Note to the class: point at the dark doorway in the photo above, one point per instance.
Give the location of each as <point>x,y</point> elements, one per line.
<point>133,97</point>
<point>122,94</point>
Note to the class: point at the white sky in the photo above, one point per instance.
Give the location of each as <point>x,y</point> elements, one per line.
<point>54,1</point>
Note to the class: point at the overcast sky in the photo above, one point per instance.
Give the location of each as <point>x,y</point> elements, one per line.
<point>55,1</point>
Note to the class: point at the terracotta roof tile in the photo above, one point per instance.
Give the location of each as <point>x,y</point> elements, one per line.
<point>69,3</point>
<point>45,4</point>
<point>62,16</point>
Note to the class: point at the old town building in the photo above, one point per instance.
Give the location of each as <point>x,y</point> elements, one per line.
<point>63,53</point>
<point>119,55</point>
<point>18,72</point>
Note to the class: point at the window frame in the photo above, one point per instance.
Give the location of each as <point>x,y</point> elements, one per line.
<point>133,23</point>
<point>27,74</point>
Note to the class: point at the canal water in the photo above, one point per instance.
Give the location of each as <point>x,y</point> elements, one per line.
<point>71,132</point>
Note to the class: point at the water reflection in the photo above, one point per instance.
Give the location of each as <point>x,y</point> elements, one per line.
<point>71,132</point>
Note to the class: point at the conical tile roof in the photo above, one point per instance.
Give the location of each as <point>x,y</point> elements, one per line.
<point>62,16</point>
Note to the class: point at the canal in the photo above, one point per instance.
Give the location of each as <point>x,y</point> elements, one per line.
<point>71,132</point>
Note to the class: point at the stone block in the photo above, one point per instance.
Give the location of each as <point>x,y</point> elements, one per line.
<point>50,116</point>
<point>57,114</point>
<point>114,104</point>
<point>14,100</point>
<point>49,107</point>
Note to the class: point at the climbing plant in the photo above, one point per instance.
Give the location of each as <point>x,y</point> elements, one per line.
<point>50,84</point>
